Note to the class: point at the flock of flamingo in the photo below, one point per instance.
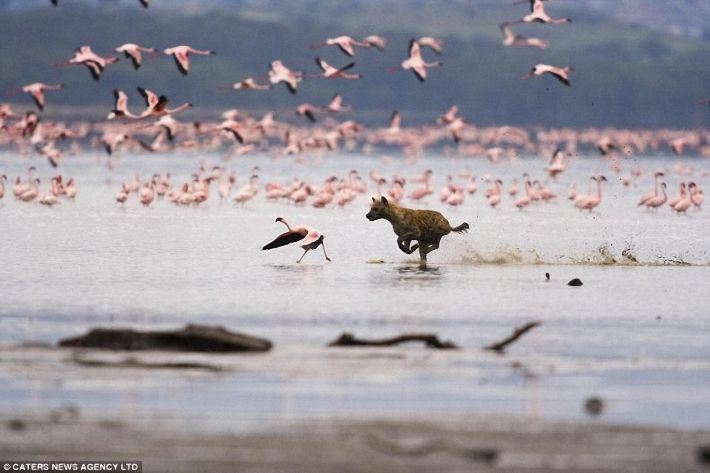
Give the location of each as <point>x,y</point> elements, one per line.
<point>156,130</point>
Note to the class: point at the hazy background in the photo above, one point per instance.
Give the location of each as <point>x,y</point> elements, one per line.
<point>638,63</point>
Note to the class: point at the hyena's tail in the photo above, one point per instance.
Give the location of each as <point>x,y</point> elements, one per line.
<point>463,228</point>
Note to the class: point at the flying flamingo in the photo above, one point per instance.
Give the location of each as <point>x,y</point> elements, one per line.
<point>557,164</point>
<point>434,44</point>
<point>376,41</point>
<point>120,107</point>
<point>134,53</point>
<point>157,106</point>
<point>538,15</point>
<point>416,63</point>
<point>330,72</point>
<point>181,56</point>
<point>560,73</point>
<point>511,39</point>
<point>250,84</point>
<point>37,89</point>
<point>280,73</point>
<point>95,63</point>
<point>336,105</point>
<point>309,239</point>
<point>345,43</point>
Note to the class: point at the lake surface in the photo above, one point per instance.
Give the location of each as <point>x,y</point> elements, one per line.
<point>635,334</point>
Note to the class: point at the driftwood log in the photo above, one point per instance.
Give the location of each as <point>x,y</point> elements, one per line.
<point>198,338</point>
<point>517,333</point>
<point>430,341</point>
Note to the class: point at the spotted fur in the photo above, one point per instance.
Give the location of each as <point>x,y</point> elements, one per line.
<point>425,226</point>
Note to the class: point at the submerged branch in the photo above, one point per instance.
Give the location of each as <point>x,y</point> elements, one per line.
<point>430,340</point>
<point>519,332</point>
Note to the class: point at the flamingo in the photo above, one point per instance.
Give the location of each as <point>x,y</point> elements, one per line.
<point>36,90</point>
<point>156,106</point>
<point>538,15</point>
<point>494,198</point>
<point>524,200</point>
<point>70,189</point>
<point>416,63</point>
<point>134,52</point>
<point>681,196</point>
<point>120,107</point>
<point>31,192</point>
<point>682,205</point>
<point>147,194</point>
<point>560,73</point>
<point>309,239</point>
<point>336,105</point>
<point>280,73</point>
<point>696,195</point>
<point>589,202</point>
<point>181,56</point>
<point>376,41</point>
<point>658,200</point>
<point>330,72</point>
<point>250,84</point>
<point>511,39</point>
<point>434,44</point>
<point>247,192</point>
<point>95,63</point>
<point>649,195</point>
<point>557,164</point>
<point>345,43</point>
<point>3,178</point>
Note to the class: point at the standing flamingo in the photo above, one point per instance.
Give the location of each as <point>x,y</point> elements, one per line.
<point>589,202</point>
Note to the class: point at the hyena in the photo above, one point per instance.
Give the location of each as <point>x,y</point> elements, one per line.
<point>425,226</point>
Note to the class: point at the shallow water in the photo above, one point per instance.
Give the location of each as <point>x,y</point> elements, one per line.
<point>634,334</point>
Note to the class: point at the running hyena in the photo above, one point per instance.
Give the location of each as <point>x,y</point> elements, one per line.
<point>425,226</point>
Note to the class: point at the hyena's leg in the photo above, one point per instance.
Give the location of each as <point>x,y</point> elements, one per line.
<point>431,247</point>
<point>404,245</point>
<point>422,253</point>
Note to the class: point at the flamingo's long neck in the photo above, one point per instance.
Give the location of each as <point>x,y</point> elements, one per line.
<point>599,190</point>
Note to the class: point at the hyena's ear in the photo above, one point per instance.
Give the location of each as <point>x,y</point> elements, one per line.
<point>384,201</point>
<point>373,200</point>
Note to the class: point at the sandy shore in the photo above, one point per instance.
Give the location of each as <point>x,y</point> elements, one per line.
<point>501,444</point>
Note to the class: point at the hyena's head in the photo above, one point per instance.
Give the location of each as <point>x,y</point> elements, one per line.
<point>379,209</point>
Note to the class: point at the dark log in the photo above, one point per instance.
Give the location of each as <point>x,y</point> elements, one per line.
<point>519,332</point>
<point>198,338</point>
<point>429,339</point>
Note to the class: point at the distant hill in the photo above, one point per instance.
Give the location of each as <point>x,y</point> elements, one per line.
<point>624,75</point>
